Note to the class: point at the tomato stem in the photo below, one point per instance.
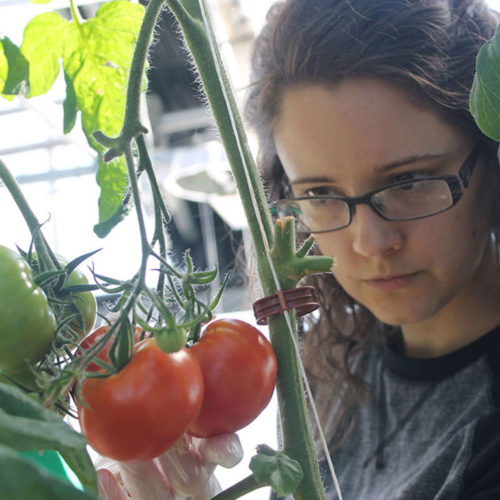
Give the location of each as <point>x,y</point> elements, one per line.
<point>290,265</point>
<point>46,257</point>
<point>75,14</point>
<point>246,485</point>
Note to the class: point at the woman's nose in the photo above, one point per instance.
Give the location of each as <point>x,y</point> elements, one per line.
<point>373,236</point>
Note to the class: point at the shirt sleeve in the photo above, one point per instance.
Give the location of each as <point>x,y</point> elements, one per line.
<point>481,478</point>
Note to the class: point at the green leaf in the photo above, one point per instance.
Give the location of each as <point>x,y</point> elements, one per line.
<point>40,1</point>
<point>43,41</point>
<point>114,205</point>
<point>70,106</point>
<point>277,470</point>
<point>13,69</point>
<point>26,425</point>
<point>96,58</point>
<point>485,93</point>
<point>20,478</point>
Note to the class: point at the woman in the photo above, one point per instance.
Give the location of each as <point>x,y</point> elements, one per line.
<point>361,109</point>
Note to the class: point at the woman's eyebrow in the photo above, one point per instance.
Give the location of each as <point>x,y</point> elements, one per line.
<point>377,169</point>
<point>408,161</point>
<point>312,180</point>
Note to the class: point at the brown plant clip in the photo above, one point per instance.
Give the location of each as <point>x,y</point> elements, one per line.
<point>303,299</point>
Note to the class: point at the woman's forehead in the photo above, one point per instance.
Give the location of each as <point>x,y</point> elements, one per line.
<point>361,121</point>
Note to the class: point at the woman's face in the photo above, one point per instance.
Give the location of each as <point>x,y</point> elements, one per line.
<point>363,134</point>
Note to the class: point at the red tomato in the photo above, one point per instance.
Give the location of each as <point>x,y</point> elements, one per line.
<point>138,413</point>
<point>239,373</point>
<point>103,355</point>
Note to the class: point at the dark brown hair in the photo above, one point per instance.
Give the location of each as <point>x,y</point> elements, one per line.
<point>425,47</point>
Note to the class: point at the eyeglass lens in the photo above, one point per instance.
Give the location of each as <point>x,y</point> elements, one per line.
<point>412,200</point>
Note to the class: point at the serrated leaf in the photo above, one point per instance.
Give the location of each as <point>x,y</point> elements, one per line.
<point>26,425</point>
<point>485,92</point>
<point>279,471</point>
<point>20,478</point>
<point>14,69</point>
<point>43,41</point>
<point>112,178</point>
<point>97,58</point>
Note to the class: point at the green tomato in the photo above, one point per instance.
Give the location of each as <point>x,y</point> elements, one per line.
<point>27,323</point>
<point>84,301</point>
<point>170,339</point>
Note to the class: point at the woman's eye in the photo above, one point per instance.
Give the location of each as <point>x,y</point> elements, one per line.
<point>321,191</point>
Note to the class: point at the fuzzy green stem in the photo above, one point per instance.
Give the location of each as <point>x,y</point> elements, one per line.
<point>41,245</point>
<point>131,120</point>
<point>146,249</point>
<point>219,94</point>
<point>295,430</point>
<point>203,47</point>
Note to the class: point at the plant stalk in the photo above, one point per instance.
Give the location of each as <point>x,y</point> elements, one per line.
<point>30,218</point>
<point>202,44</point>
<point>131,119</point>
<point>246,485</point>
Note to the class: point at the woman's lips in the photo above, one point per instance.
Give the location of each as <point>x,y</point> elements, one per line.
<point>391,282</point>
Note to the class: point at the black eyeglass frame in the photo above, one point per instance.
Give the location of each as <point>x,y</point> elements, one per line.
<point>455,184</point>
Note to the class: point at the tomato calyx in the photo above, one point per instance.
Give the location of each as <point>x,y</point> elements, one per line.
<point>68,291</point>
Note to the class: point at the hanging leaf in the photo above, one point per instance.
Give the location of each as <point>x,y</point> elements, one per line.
<point>20,478</point>
<point>112,178</point>
<point>13,69</point>
<point>96,56</point>
<point>485,93</point>
<point>97,60</point>
<point>43,40</point>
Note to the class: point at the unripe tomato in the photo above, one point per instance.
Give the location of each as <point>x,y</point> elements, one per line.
<point>239,374</point>
<point>27,323</point>
<point>84,301</point>
<point>138,413</point>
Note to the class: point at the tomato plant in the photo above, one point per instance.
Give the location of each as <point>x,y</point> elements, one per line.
<point>27,323</point>
<point>138,413</point>
<point>239,373</point>
<point>103,353</point>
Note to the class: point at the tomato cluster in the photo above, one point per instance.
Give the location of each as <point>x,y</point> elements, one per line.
<point>27,321</point>
<point>217,386</point>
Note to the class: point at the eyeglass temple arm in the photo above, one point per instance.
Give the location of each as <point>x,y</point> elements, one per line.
<point>467,168</point>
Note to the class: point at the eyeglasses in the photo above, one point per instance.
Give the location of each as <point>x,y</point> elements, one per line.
<point>406,200</point>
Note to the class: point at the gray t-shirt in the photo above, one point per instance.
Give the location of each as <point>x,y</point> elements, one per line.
<point>430,430</point>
